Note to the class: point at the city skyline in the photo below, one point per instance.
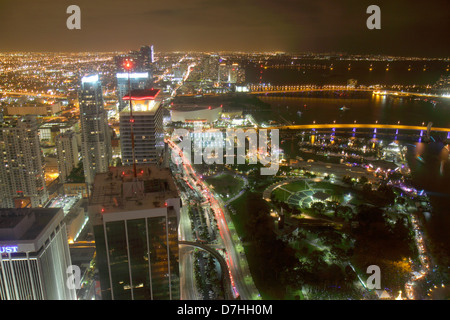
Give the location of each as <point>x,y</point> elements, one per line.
<point>237,150</point>
<point>287,26</point>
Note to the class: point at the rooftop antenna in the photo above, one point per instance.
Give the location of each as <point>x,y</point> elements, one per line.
<point>128,65</point>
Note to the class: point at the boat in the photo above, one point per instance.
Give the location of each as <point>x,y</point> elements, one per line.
<point>344,108</point>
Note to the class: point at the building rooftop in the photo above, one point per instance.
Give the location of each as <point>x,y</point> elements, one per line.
<point>192,107</point>
<point>118,190</point>
<point>142,94</point>
<point>24,223</point>
<point>145,106</point>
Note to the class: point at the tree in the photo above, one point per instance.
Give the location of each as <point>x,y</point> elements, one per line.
<point>347,179</point>
<point>363,180</point>
<point>367,188</point>
<point>344,212</point>
<point>77,174</point>
<point>318,207</point>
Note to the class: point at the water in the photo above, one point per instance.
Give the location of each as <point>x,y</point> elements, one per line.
<point>338,72</point>
<point>366,109</point>
<point>432,174</point>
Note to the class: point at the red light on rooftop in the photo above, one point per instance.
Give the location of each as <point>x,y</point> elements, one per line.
<point>128,64</point>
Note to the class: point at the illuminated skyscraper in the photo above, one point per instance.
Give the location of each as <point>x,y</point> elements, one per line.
<point>138,80</point>
<point>34,255</point>
<point>135,221</point>
<point>95,135</point>
<point>22,180</point>
<point>146,125</point>
<point>230,73</point>
<point>233,73</point>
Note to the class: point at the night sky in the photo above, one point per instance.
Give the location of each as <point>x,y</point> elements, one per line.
<point>408,27</point>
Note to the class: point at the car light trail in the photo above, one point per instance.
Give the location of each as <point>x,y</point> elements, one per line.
<point>209,197</point>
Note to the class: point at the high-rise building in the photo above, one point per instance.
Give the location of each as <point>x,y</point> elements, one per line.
<point>95,134</point>
<point>22,180</point>
<point>230,73</point>
<point>146,56</point>
<point>210,67</point>
<point>233,73</point>
<point>223,72</point>
<point>67,153</point>
<point>135,221</point>
<point>34,255</point>
<point>143,60</point>
<point>135,80</point>
<point>146,124</point>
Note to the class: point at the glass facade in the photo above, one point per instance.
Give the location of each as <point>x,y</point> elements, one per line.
<point>140,259</point>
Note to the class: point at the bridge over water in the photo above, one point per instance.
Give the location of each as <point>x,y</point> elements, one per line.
<point>360,126</point>
<point>266,89</point>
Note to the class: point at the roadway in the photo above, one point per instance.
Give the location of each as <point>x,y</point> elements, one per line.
<point>32,94</point>
<point>239,275</point>
<point>225,277</point>
<point>188,288</point>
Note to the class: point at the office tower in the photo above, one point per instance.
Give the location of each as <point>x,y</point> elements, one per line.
<point>137,80</point>
<point>210,67</point>
<point>143,60</point>
<point>22,180</point>
<point>146,125</point>
<point>230,73</point>
<point>146,57</point>
<point>223,72</point>
<point>135,222</point>
<point>95,134</point>
<point>233,73</point>
<point>67,153</point>
<point>34,255</point>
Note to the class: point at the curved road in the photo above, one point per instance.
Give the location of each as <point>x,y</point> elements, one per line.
<point>226,281</point>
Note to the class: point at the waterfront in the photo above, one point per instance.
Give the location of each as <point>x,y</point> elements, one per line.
<point>429,162</point>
